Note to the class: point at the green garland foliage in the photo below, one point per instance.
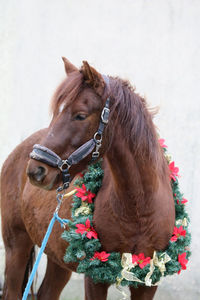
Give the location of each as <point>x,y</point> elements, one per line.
<point>82,249</point>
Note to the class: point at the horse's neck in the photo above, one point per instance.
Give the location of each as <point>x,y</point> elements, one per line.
<point>134,179</point>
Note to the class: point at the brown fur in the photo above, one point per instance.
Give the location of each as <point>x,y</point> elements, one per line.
<point>134,210</point>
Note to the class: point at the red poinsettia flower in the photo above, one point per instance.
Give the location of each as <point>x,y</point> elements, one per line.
<point>90,232</point>
<point>178,231</point>
<point>183,201</point>
<point>173,170</point>
<point>141,260</point>
<point>84,194</point>
<point>102,256</point>
<point>162,143</point>
<point>183,261</point>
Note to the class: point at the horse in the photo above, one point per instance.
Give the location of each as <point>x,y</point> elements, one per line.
<point>134,208</point>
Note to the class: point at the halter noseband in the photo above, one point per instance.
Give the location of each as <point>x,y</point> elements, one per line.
<point>47,156</point>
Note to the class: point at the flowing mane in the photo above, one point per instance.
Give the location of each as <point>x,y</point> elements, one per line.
<point>128,109</point>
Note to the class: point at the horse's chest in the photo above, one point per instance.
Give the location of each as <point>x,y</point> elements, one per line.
<point>114,234</point>
<point>37,210</point>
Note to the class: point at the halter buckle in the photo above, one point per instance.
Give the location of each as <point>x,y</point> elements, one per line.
<point>105,115</point>
<point>64,165</point>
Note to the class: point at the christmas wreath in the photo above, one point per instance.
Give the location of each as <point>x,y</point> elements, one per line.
<point>128,269</point>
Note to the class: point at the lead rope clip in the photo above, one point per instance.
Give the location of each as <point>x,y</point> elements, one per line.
<point>98,140</point>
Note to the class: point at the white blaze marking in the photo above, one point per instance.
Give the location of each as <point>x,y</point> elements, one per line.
<point>62,105</point>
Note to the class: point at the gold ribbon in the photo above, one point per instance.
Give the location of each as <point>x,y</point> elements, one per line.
<point>84,209</point>
<point>155,261</point>
<point>148,280</point>
<point>168,158</point>
<point>127,266</point>
<point>69,194</point>
<point>125,296</point>
<point>182,222</point>
<point>158,262</point>
<point>161,261</point>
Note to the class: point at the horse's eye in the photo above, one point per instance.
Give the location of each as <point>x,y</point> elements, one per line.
<point>80,117</point>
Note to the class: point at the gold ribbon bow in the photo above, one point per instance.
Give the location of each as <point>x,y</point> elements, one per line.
<point>158,262</point>
<point>84,209</point>
<point>155,261</point>
<point>127,266</point>
<point>161,261</point>
<point>182,222</point>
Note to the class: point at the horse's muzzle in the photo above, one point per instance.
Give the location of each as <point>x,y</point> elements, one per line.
<point>37,174</point>
<point>40,175</point>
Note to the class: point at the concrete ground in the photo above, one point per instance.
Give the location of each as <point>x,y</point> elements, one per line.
<point>75,291</point>
<point>171,288</point>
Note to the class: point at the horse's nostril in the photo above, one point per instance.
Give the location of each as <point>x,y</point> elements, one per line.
<point>40,173</point>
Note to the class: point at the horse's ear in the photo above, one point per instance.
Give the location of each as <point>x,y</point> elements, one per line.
<point>69,67</point>
<point>93,78</point>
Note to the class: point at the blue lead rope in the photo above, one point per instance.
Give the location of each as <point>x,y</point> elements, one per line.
<point>44,242</point>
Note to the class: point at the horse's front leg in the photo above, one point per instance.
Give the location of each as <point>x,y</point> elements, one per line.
<point>96,291</point>
<point>54,281</point>
<point>18,248</point>
<point>143,292</point>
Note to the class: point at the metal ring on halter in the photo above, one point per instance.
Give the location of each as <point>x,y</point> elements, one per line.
<point>98,140</point>
<point>65,165</point>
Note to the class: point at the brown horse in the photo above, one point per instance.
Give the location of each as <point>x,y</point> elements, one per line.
<point>135,201</point>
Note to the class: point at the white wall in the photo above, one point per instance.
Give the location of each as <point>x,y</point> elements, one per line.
<point>155,44</point>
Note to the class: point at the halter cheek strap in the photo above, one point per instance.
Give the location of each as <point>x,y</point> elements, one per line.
<point>47,156</point>
<point>99,134</point>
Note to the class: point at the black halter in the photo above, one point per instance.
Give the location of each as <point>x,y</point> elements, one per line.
<point>47,156</point>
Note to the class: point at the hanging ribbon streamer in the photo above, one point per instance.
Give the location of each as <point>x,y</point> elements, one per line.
<point>127,266</point>
<point>161,261</point>
<point>158,262</point>
<point>125,296</point>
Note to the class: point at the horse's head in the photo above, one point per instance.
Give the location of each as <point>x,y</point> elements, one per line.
<point>77,108</point>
